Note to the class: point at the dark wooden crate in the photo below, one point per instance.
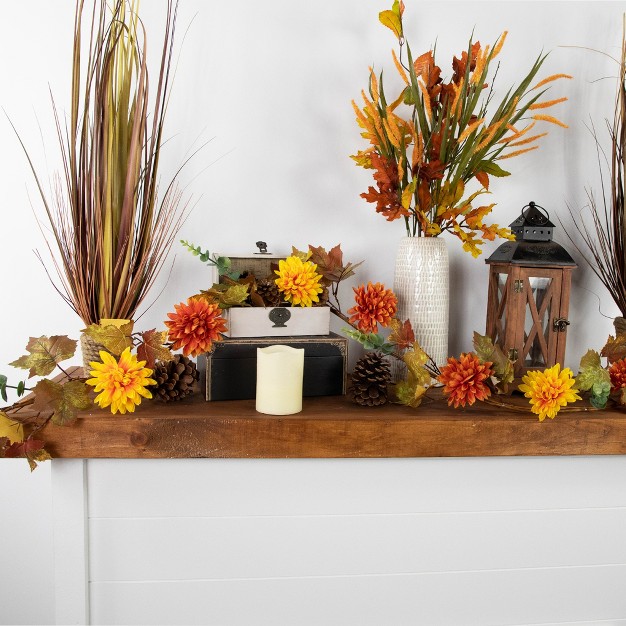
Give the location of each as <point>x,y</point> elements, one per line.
<point>228,372</point>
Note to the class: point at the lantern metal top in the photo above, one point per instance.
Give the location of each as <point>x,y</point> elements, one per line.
<point>533,245</point>
<point>533,224</point>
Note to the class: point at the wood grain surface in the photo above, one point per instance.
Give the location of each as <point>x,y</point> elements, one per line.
<point>334,427</point>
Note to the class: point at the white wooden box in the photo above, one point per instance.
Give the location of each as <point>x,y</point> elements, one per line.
<point>277,321</point>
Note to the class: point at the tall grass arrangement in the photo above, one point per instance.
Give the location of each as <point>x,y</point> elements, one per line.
<point>604,240</point>
<point>111,229</point>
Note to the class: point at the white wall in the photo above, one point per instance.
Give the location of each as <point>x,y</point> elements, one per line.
<point>270,85</point>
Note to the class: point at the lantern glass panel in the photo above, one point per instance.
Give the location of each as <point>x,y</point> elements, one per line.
<point>502,305</point>
<point>537,322</point>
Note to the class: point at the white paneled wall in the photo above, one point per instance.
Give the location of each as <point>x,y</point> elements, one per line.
<point>380,542</point>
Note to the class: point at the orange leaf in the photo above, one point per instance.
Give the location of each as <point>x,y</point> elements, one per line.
<point>402,334</point>
<point>483,179</point>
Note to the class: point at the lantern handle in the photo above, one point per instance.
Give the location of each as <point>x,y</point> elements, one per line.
<point>537,219</point>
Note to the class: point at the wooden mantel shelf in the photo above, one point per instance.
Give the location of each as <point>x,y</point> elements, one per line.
<point>332,427</point>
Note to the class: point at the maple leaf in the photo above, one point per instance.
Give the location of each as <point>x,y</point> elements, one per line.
<point>31,449</point>
<point>114,339</point>
<point>615,348</point>
<point>234,295</point>
<point>401,333</point>
<point>45,354</point>
<point>409,392</point>
<point>13,431</point>
<point>460,65</point>
<point>330,264</point>
<point>64,399</point>
<point>426,69</point>
<point>415,360</point>
<point>152,348</point>
<point>502,366</point>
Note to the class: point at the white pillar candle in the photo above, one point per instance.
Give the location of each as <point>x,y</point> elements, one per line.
<point>279,373</point>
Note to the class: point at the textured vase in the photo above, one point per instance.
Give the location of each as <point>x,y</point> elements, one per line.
<point>421,284</point>
<point>91,349</point>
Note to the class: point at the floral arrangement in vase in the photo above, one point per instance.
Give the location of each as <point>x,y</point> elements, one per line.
<point>434,138</point>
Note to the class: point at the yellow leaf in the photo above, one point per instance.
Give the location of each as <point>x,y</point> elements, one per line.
<point>407,194</point>
<point>13,431</point>
<point>392,19</point>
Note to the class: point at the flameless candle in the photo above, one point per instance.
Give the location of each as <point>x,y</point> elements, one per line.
<point>279,372</point>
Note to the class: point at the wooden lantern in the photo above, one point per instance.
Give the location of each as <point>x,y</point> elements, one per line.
<point>529,289</point>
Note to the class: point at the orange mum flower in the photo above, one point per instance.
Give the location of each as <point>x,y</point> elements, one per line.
<point>195,325</point>
<point>374,305</point>
<point>464,379</point>
<point>617,371</point>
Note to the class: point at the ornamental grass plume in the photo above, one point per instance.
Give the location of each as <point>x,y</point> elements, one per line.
<point>195,325</point>
<point>430,140</point>
<point>374,305</point>
<point>110,220</point>
<point>298,281</point>
<point>464,379</point>
<point>549,390</point>
<point>121,384</point>
<point>603,244</point>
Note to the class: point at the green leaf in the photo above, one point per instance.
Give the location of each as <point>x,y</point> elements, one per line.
<point>45,354</point>
<point>591,374</point>
<point>370,341</point>
<point>599,401</point>
<point>492,168</point>
<point>20,388</point>
<point>503,367</point>
<point>483,346</point>
<point>3,387</point>
<point>223,264</point>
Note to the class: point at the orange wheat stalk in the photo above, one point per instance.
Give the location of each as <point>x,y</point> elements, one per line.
<point>499,44</point>
<point>523,142</point>
<point>552,120</point>
<point>399,67</point>
<point>545,105</point>
<point>545,81</point>
<point>518,152</point>
<point>470,129</point>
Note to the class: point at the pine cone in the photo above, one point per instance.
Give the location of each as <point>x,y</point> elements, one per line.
<point>175,379</point>
<point>323,297</point>
<point>268,290</point>
<point>370,379</point>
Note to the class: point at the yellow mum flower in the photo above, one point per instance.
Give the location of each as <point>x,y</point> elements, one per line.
<point>121,383</point>
<point>549,390</point>
<point>299,281</point>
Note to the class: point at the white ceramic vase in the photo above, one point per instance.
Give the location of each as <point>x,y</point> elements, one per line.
<point>421,284</point>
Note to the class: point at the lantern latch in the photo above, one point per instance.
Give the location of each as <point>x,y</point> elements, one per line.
<point>518,286</point>
<point>560,324</point>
